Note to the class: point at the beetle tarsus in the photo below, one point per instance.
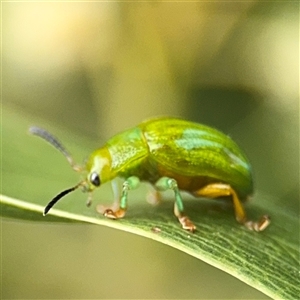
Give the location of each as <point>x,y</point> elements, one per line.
<point>261,225</point>
<point>109,214</point>
<point>264,222</point>
<point>120,213</point>
<point>187,224</point>
<point>89,200</point>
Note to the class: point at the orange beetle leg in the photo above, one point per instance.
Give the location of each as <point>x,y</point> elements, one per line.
<point>221,189</point>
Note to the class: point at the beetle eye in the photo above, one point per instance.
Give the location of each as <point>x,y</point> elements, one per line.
<point>94,179</point>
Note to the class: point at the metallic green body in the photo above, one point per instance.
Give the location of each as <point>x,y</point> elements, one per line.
<point>193,154</point>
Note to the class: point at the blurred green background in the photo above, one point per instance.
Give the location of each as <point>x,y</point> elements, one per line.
<point>98,68</point>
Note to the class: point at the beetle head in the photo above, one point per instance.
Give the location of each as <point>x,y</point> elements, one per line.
<point>98,167</point>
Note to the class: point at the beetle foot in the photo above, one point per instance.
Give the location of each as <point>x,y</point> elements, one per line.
<point>120,213</point>
<point>187,224</point>
<point>261,225</point>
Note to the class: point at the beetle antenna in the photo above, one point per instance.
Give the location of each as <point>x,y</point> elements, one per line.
<point>48,137</point>
<point>58,197</point>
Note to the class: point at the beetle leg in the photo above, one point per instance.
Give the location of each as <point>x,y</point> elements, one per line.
<point>116,188</point>
<point>129,184</point>
<point>166,183</point>
<point>153,196</point>
<point>221,189</point>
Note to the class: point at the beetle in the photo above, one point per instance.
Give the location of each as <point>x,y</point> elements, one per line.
<point>171,154</point>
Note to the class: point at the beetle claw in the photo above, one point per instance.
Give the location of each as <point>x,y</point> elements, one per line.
<point>120,213</point>
<point>187,224</point>
<point>109,214</point>
<point>264,222</point>
<point>261,225</point>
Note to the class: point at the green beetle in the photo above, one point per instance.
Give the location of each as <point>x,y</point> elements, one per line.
<point>172,154</point>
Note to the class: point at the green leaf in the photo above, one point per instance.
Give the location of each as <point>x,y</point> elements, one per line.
<point>34,172</point>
